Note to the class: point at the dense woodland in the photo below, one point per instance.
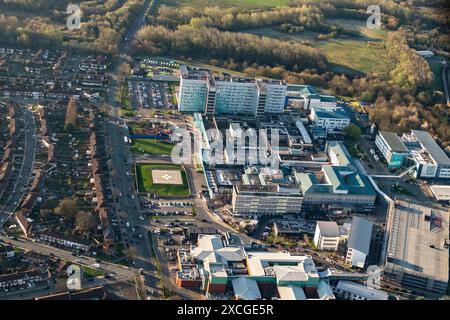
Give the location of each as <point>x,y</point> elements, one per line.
<point>214,44</point>
<point>43,23</point>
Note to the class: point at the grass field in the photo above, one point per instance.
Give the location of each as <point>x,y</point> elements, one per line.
<point>352,56</point>
<point>151,146</point>
<point>146,185</point>
<point>361,27</point>
<point>346,54</point>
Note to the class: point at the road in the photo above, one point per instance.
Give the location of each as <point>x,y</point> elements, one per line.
<point>120,271</point>
<point>26,169</point>
<point>378,167</point>
<point>123,55</point>
<point>126,199</point>
<point>446,81</point>
<point>128,205</point>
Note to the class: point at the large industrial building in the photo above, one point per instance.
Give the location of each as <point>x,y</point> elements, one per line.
<point>339,184</point>
<point>416,253</point>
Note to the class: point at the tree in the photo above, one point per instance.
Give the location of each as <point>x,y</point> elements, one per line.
<point>124,70</point>
<point>236,49</point>
<point>352,132</point>
<point>43,213</point>
<point>131,253</point>
<point>67,209</point>
<point>84,221</point>
<point>71,115</point>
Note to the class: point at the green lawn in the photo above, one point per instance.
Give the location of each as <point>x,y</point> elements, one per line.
<point>355,150</point>
<point>92,272</point>
<point>126,112</point>
<point>126,101</point>
<point>284,241</point>
<point>151,146</point>
<point>361,27</point>
<point>146,185</point>
<point>353,54</point>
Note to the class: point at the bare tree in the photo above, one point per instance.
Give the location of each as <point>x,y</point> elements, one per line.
<point>71,114</point>
<point>67,208</point>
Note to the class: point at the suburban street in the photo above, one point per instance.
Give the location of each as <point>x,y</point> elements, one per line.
<point>128,205</point>
<point>127,201</point>
<point>120,271</point>
<point>26,168</point>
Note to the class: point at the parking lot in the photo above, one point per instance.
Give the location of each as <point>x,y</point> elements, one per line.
<point>160,63</point>
<point>151,95</point>
<point>166,208</point>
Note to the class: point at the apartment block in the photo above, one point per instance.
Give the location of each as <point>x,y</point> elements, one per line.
<point>230,95</point>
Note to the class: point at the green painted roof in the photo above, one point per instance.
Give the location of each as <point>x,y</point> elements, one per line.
<point>343,178</point>
<point>328,98</point>
<point>340,178</point>
<point>337,113</point>
<point>305,90</point>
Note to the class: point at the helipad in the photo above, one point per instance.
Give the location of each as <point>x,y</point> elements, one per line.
<point>166,177</point>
